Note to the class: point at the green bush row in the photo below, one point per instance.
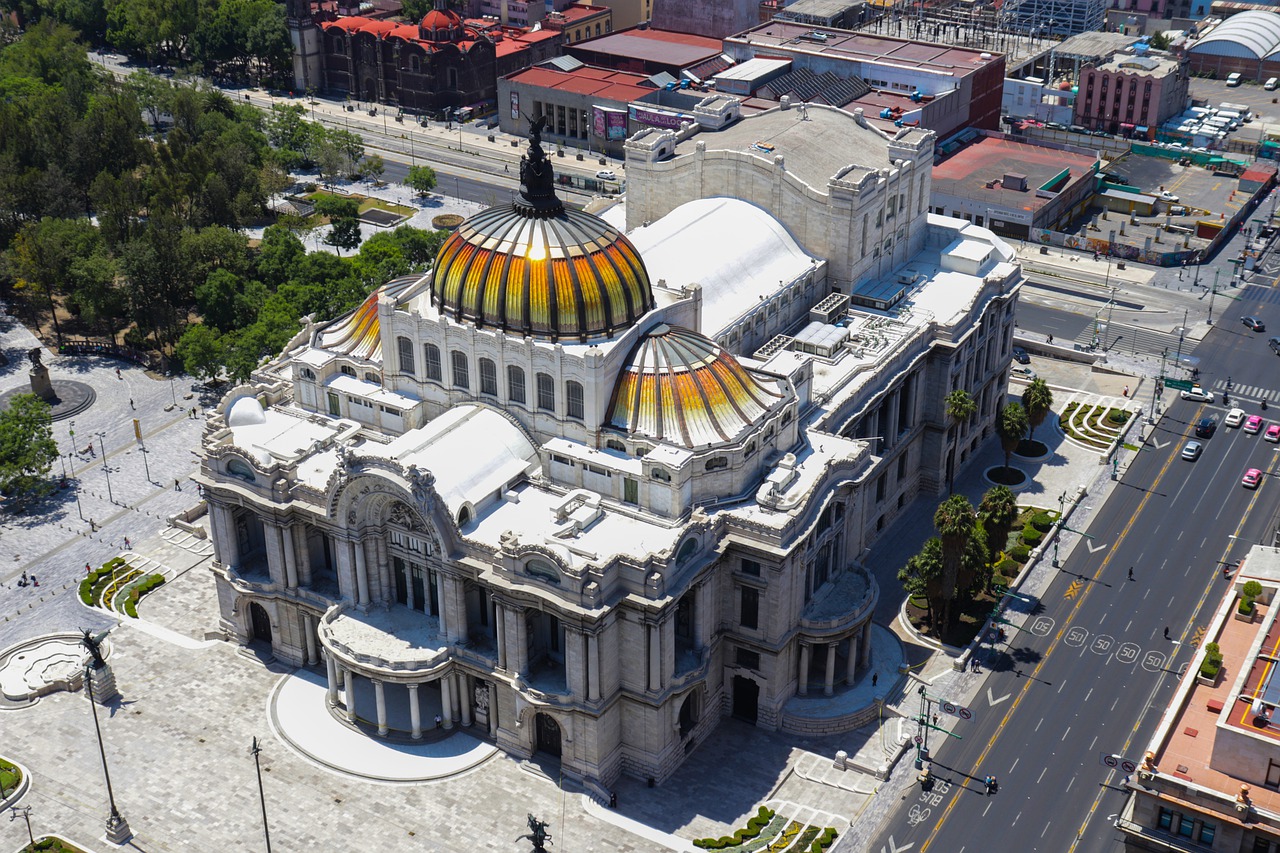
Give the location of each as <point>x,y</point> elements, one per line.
<point>751,830</point>
<point>148,583</point>
<point>1020,553</point>
<point>1031,536</point>
<point>823,841</point>
<point>10,776</point>
<point>1042,521</point>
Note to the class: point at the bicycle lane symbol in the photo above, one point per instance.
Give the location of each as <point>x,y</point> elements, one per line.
<point>917,815</point>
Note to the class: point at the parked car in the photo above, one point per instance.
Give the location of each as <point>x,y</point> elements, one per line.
<point>1274,343</point>
<point>1191,451</point>
<point>1273,433</point>
<point>1024,373</point>
<point>1195,392</point>
<point>1251,478</point>
<point>1054,125</point>
<point>1206,426</point>
<point>1253,424</point>
<point>1254,323</point>
<point>1168,196</point>
<point>1020,356</point>
<point>606,175</point>
<point>1235,417</point>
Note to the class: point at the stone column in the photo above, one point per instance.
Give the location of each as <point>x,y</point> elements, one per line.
<point>331,669</point>
<point>216,522</point>
<point>851,665</point>
<point>290,557</point>
<point>304,557</point>
<point>655,656</point>
<point>381,570</point>
<point>865,660</point>
<point>345,555</point>
<point>342,677</point>
<point>309,628</point>
<point>519,660</point>
<point>575,669</point>
<point>273,547</point>
<point>500,622</point>
<point>702,612</point>
<point>351,697</point>
<point>379,694</point>
<point>493,709</point>
<point>362,573</point>
<point>668,649</point>
<point>829,683</point>
<point>892,403</point>
<point>593,668</point>
<point>804,669</point>
<point>446,700</point>
<point>225,533</point>
<point>415,713</point>
<point>458,614</point>
<point>411,601</point>
<point>442,603</point>
<point>465,697</point>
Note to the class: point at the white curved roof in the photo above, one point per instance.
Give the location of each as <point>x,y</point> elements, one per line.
<point>1248,34</point>
<point>728,246</point>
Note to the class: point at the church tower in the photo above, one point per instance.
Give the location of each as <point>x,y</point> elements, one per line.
<point>308,73</point>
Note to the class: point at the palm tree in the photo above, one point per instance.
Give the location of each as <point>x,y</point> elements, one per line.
<point>998,512</point>
<point>1037,400</point>
<point>1011,426</point>
<point>959,408</point>
<point>955,521</point>
<point>922,575</point>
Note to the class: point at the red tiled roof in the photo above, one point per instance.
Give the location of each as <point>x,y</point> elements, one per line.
<point>599,82</point>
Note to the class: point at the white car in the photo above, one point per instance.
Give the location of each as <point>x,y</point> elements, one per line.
<point>606,175</point>
<point>1168,196</point>
<point>1020,372</point>
<point>1235,417</point>
<point>1198,394</point>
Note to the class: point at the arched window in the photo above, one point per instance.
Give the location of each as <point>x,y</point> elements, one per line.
<point>404,347</point>
<point>348,370</point>
<point>515,384</point>
<point>717,463</point>
<point>488,377</point>
<point>370,376</point>
<point>415,63</point>
<point>464,516</point>
<point>660,475</point>
<point>461,375</point>
<point>451,78</point>
<point>686,552</point>
<point>431,361</point>
<point>751,449</point>
<point>308,374</point>
<point>614,444</point>
<point>240,469</point>
<point>546,393</point>
<point>542,570</point>
<point>573,400</point>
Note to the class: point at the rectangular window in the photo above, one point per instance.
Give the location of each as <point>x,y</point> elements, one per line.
<point>461,375</point>
<point>748,659</point>
<point>546,393</point>
<point>1207,833</point>
<point>1186,826</point>
<point>573,400</point>
<point>431,361</point>
<point>1261,845</point>
<point>750,607</point>
<point>515,384</point>
<point>630,491</point>
<point>405,346</point>
<point>488,377</point>
<point>751,567</point>
<point>335,407</point>
<point>1166,819</point>
<point>880,486</point>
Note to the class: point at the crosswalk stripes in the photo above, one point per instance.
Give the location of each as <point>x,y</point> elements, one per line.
<point>1246,392</point>
<point>1266,295</point>
<point>1127,340</point>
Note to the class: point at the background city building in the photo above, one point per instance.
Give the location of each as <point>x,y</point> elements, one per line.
<point>1131,95</point>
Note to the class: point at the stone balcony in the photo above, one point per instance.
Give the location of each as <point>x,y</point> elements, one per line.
<point>840,604</point>
<point>396,643</point>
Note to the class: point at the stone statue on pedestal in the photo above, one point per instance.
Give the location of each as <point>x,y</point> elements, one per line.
<point>102,681</point>
<point>39,375</point>
<point>537,835</point>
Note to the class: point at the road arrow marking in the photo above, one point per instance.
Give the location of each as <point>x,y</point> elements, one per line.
<point>1160,446</point>
<point>894,848</point>
<point>991,697</point>
<point>1093,549</point>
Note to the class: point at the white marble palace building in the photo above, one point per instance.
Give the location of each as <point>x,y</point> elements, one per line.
<point>585,492</point>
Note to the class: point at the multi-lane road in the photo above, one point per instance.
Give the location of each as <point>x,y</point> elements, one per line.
<point>1091,671</point>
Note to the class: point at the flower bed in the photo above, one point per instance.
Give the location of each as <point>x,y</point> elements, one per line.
<point>10,777</point>
<point>117,586</point>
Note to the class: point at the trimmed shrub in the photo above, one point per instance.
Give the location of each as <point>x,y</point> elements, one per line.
<point>1252,589</point>
<point>1008,567</point>
<point>1020,553</point>
<point>1245,607</point>
<point>1031,536</point>
<point>1042,521</point>
<point>1117,416</point>
<point>1209,669</point>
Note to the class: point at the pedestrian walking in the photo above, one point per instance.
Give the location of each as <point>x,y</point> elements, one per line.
<point>1131,573</point>
<point>131,403</point>
<point>1051,339</point>
<point>875,676</point>
<point>88,569</point>
<point>1126,390</point>
<point>191,413</point>
<point>127,545</point>
<point>24,579</point>
<point>177,486</point>
<point>1166,632</point>
<point>118,376</point>
<point>35,581</point>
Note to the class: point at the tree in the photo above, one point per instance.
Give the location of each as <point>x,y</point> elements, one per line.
<point>998,512</point>
<point>959,408</point>
<point>372,167</point>
<point>336,206</point>
<point>955,521</point>
<point>1159,41</point>
<point>344,233</point>
<point>202,352</point>
<point>27,448</point>
<point>152,93</point>
<point>1038,401</point>
<point>422,179</point>
<point>922,575</point>
<point>278,254</point>
<point>1012,427</point>
<point>42,255</point>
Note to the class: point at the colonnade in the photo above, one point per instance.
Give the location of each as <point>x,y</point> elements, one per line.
<point>457,690</point>
<point>859,657</point>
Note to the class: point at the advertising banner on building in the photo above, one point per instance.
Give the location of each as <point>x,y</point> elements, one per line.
<point>608,123</point>
<point>515,105</point>
<point>653,118</point>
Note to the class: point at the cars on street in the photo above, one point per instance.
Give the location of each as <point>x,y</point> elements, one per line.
<point>1252,424</point>
<point>1020,356</point>
<point>1020,372</point>
<point>1235,417</point>
<point>1168,196</point>
<point>1274,343</point>
<point>606,175</point>
<point>1273,433</point>
<point>1195,392</point>
<point>1206,426</point>
<point>1251,478</point>
<point>1254,323</point>
<point>1191,451</point>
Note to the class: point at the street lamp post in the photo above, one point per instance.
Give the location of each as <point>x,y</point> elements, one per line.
<point>1212,294</point>
<point>106,469</point>
<point>255,751</point>
<point>117,826</point>
<point>24,812</point>
<point>145,466</point>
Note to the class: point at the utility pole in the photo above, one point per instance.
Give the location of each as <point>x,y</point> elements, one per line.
<point>1212,294</point>
<point>1151,418</point>
<point>255,751</point>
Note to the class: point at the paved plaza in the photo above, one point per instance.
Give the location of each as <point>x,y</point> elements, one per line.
<point>177,738</point>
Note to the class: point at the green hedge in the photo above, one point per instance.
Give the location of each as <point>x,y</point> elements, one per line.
<point>1042,521</point>
<point>1020,553</point>
<point>1209,669</point>
<point>751,830</point>
<point>1031,536</point>
<point>10,776</point>
<point>1245,608</point>
<point>825,840</point>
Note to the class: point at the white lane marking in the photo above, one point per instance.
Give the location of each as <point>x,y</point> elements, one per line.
<point>1064,734</point>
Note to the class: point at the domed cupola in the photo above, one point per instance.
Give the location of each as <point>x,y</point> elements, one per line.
<point>441,25</point>
<point>682,387</point>
<point>534,268</point>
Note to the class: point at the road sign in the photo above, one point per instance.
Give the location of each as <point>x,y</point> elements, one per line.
<point>1180,384</point>
<point>919,740</point>
<point>1116,762</point>
<point>956,710</point>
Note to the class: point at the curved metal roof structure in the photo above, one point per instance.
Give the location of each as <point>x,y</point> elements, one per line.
<point>681,387</point>
<point>1253,35</point>
<point>537,269</point>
